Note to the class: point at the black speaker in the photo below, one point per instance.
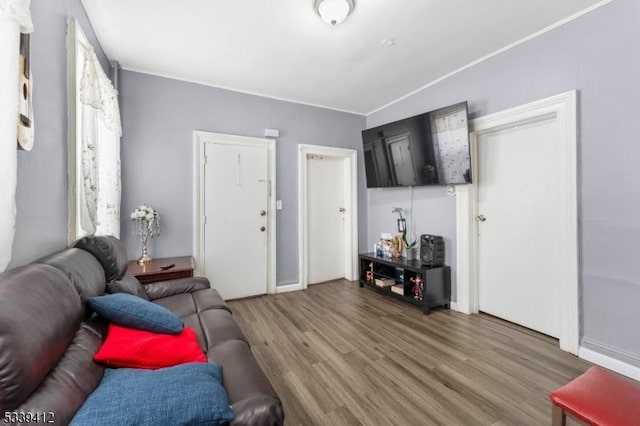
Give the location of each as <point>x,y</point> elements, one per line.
<point>431,250</point>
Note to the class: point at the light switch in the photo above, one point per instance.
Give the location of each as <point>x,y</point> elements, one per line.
<point>278,204</point>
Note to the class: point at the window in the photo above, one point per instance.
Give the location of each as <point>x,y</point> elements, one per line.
<point>94,143</point>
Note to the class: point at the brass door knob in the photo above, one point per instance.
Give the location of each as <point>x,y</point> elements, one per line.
<point>263,228</point>
<point>263,212</point>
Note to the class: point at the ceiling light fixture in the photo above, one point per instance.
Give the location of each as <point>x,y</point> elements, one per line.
<point>334,11</point>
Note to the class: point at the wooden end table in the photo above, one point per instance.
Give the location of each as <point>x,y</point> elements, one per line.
<point>153,271</point>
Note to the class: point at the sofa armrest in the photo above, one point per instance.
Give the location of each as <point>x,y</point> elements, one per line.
<point>258,410</point>
<point>253,399</point>
<point>168,288</point>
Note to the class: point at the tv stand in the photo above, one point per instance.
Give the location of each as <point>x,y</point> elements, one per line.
<point>436,281</point>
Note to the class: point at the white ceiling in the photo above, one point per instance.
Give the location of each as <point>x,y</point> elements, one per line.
<point>282,49</point>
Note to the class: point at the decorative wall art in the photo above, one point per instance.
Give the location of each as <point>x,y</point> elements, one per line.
<point>25,106</point>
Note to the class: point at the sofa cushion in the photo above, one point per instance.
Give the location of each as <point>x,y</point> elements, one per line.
<point>127,284</point>
<point>209,299</point>
<point>184,394</point>
<point>207,313</point>
<point>109,251</point>
<point>40,314</point>
<point>193,321</point>
<point>193,303</point>
<point>72,380</point>
<point>160,289</point>
<point>135,312</point>
<point>129,347</point>
<point>218,326</point>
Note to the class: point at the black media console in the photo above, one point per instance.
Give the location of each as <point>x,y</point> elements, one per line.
<point>403,273</point>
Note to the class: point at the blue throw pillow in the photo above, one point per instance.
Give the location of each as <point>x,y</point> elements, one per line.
<point>135,312</point>
<point>182,395</point>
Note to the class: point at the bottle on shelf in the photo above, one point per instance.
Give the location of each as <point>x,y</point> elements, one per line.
<point>379,249</point>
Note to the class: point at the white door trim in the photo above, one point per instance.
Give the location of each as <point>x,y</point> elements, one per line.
<point>351,192</point>
<point>563,108</point>
<point>199,161</point>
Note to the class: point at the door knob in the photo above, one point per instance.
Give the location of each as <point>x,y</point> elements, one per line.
<point>262,228</point>
<point>481,218</point>
<point>263,212</point>
<point>342,210</point>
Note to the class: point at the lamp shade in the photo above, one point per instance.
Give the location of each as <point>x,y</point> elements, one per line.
<point>334,11</point>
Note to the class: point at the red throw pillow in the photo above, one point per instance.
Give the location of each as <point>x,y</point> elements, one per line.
<point>133,348</point>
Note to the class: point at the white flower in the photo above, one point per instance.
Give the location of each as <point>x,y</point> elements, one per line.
<point>147,221</point>
<point>145,215</point>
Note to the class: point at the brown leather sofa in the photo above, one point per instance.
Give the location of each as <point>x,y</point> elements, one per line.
<point>48,336</point>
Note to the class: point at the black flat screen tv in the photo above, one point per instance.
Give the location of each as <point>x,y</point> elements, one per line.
<point>428,149</point>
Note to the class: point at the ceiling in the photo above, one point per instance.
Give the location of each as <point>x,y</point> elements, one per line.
<point>282,49</point>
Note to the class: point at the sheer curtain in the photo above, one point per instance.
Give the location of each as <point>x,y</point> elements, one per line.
<point>98,148</point>
<point>14,19</point>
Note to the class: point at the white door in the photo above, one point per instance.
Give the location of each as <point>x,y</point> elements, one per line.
<point>519,211</point>
<point>235,208</point>
<point>325,218</point>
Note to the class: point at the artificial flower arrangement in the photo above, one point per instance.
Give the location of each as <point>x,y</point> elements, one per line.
<point>145,212</point>
<point>147,226</point>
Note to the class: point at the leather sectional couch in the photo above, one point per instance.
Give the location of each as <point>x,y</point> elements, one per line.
<point>48,335</point>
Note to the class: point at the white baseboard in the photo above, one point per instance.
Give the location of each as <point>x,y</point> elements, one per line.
<point>289,287</point>
<point>454,307</point>
<point>610,363</point>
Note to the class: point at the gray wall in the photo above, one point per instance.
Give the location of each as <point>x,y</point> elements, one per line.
<point>41,197</point>
<point>434,213</point>
<point>598,55</point>
<point>159,116</point>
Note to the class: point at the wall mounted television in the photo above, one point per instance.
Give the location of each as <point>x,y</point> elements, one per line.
<point>427,149</point>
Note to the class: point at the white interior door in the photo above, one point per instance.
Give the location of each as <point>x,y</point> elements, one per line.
<point>519,210</point>
<point>235,208</point>
<point>326,218</point>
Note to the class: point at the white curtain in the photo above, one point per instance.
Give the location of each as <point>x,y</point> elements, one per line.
<point>99,149</point>
<point>14,19</point>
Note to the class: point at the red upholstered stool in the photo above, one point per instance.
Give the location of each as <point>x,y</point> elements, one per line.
<point>597,397</point>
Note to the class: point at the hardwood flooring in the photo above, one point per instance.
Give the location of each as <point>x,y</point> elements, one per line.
<point>338,354</point>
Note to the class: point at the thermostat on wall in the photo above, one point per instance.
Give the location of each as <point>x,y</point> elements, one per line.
<point>271,133</point>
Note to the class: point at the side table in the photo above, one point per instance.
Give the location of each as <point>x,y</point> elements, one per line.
<point>161,269</point>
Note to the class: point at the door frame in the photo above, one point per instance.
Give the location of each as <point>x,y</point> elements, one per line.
<point>200,138</point>
<point>349,157</point>
<point>564,108</point>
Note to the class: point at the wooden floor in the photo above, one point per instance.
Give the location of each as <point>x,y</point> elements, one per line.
<point>338,354</point>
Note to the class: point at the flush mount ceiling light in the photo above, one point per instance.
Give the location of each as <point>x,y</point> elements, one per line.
<point>334,11</point>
